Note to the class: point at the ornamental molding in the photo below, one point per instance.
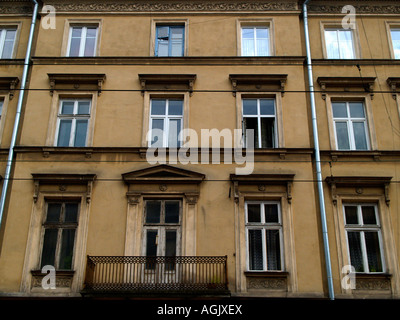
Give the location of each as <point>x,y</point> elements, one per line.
<point>364,9</point>
<point>173,6</point>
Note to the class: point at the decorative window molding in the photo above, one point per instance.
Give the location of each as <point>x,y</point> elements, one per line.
<point>167,82</point>
<point>365,83</point>
<point>76,82</point>
<point>8,85</point>
<point>162,182</point>
<point>394,84</point>
<point>256,23</point>
<point>258,83</point>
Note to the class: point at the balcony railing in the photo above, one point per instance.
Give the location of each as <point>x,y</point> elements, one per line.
<point>169,275</point>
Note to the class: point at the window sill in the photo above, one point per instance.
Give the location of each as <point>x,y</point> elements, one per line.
<point>373,281</point>
<point>267,280</point>
<point>63,278</point>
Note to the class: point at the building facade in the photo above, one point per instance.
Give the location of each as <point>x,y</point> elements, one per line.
<point>168,147</point>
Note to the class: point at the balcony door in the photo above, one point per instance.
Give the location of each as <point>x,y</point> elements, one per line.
<point>161,238</point>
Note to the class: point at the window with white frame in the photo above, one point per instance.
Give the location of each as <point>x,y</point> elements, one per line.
<point>264,236</point>
<point>255,41</point>
<point>73,121</point>
<point>7,41</point>
<point>59,229</point>
<point>364,239</point>
<point>162,229</point>
<point>339,43</point>
<point>166,122</point>
<point>395,35</point>
<point>82,41</point>
<point>169,40</point>
<point>259,115</point>
<point>351,127</point>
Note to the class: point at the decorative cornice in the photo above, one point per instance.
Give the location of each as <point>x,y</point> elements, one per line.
<point>16,7</point>
<point>173,6</point>
<point>360,9</point>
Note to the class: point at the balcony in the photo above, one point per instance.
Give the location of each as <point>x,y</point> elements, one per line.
<point>141,275</point>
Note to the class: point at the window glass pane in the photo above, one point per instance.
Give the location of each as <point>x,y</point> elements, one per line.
<point>339,110</point>
<point>173,134</point>
<point>83,107</point>
<point>158,107</point>
<point>271,213</point>
<point>49,247</point>
<point>251,124</point>
<point>253,212</point>
<point>346,44</point>
<point>248,33</point>
<point>332,46</point>
<point>250,107</point>
<point>75,41</point>
<point>356,110</point>
<point>255,250</point>
<point>162,41</point>
<point>67,249</point>
<point>373,252</point>
<point>360,138</point>
<point>157,133</point>
<point>262,33</point>
<point>355,251</point>
<point>67,107</point>
<point>64,133</point>
<point>267,107</point>
<point>262,41</point>
<point>90,44</point>
<point>351,214</point>
<point>171,211</point>
<point>151,243</point>
<point>1,107</point>
<point>170,243</point>
<point>396,42</point>
<point>53,212</point>
<point>8,44</point>
<point>162,48</point>
<point>71,212</point>
<point>176,41</point>
<point>153,211</point>
<point>175,107</point>
<point>248,42</point>
<point>267,132</point>
<point>273,250</point>
<point>80,133</point>
<point>342,136</point>
<point>368,214</point>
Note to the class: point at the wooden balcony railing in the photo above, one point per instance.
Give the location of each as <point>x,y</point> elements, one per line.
<point>141,274</point>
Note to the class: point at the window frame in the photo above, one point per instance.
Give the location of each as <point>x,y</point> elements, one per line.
<point>83,40</point>
<point>74,117</point>
<point>4,100</point>
<point>169,23</point>
<point>362,228</point>
<point>390,25</point>
<point>350,129</point>
<point>10,25</point>
<point>264,226</point>
<point>337,25</point>
<point>254,23</point>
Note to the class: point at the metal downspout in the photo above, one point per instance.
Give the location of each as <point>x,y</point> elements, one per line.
<point>317,157</point>
<point>18,113</point>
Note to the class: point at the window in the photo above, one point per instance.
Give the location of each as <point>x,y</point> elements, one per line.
<point>82,41</point>
<point>162,230</point>
<point>364,237</point>
<point>395,35</point>
<point>166,117</point>
<point>7,41</point>
<point>1,107</point>
<point>169,41</point>
<point>339,44</point>
<point>259,115</point>
<point>264,236</point>
<point>255,41</point>
<point>73,120</point>
<point>350,125</point>
<point>59,234</point>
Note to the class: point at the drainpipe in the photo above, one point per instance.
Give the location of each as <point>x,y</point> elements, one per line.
<point>317,156</point>
<point>18,113</point>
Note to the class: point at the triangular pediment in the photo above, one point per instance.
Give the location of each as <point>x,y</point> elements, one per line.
<point>163,173</point>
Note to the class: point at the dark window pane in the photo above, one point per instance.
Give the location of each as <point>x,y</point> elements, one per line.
<point>249,107</point>
<point>360,138</point>
<point>151,248</point>
<point>267,107</point>
<point>157,133</point>
<point>153,210</point>
<point>373,252</point>
<point>255,250</point>
<point>158,107</point>
<point>351,214</point>
<point>64,133</point>
<point>71,212</point>
<point>253,213</point>
<point>49,247</point>
<point>175,107</point>
<point>67,107</point>
<point>67,249</point>
<point>83,107</point>
<point>170,249</point>
<point>356,110</point>
<point>368,214</point>
<point>273,250</point>
<point>342,136</point>
<point>271,213</point>
<point>356,258</point>
<point>267,132</point>
<point>171,211</point>
<point>80,133</point>
<point>251,124</point>
<point>339,109</point>
<point>53,212</point>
